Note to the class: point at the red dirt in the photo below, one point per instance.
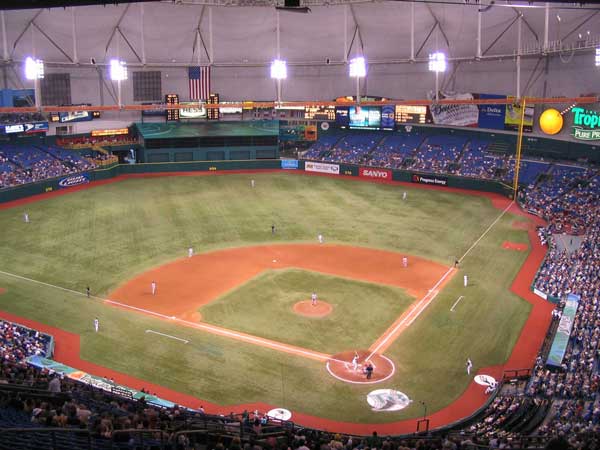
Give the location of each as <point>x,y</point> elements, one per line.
<point>340,365</point>
<point>306,308</point>
<point>519,225</point>
<point>518,246</point>
<point>189,283</point>
<point>522,356</point>
<point>2,291</point>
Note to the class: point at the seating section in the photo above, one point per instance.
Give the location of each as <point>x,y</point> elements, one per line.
<point>394,150</point>
<point>477,162</point>
<point>437,153</point>
<point>528,172</point>
<point>353,148</point>
<point>21,164</point>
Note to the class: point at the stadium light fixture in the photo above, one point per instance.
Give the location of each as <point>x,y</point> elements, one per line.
<point>358,67</point>
<point>34,68</point>
<point>118,70</point>
<point>279,69</point>
<point>437,62</point>
<point>598,57</point>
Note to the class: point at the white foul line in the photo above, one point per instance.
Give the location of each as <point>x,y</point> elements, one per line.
<point>456,302</point>
<point>185,341</point>
<point>486,231</point>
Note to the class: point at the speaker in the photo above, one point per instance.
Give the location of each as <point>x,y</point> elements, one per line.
<point>292,3</point>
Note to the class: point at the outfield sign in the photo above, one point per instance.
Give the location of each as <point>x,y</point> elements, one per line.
<point>370,172</point>
<point>429,179</point>
<point>586,124</point>
<point>289,163</point>
<point>322,167</point>
<point>97,382</point>
<point>563,333</point>
<point>74,180</point>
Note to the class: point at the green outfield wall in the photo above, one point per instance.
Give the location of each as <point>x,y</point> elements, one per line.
<point>347,170</point>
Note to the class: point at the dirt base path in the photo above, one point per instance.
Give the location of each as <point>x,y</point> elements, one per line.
<point>185,285</point>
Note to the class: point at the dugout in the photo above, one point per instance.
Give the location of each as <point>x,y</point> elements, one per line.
<point>208,141</point>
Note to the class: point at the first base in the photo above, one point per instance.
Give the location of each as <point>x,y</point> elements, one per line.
<point>274,260</point>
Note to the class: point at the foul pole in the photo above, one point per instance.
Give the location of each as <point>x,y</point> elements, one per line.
<point>518,155</point>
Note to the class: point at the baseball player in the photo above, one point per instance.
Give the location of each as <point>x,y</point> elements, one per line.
<point>466,281</point>
<point>190,252</point>
<point>252,183</point>
<point>87,291</point>
<point>404,195</point>
<point>96,324</point>
<point>153,287</point>
<point>320,237</point>
<point>355,361</point>
<point>26,217</point>
<point>313,299</point>
<point>273,229</point>
<point>405,262</point>
<point>469,365</point>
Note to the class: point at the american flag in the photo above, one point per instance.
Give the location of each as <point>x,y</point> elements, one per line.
<point>199,78</point>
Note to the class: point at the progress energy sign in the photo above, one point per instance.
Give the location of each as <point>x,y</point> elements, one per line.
<point>371,172</point>
<point>561,339</point>
<point>322,167</point>
<point>586,124</point>
<point>429,179</point>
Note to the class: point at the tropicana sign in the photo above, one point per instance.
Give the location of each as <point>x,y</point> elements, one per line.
<point>586,124</point>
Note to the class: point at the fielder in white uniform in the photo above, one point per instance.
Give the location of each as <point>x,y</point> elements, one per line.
<point>466,280</point>
<point>313,299</point>
<point>96,324</point>
<point>252,183</point>
<point>404,196</point>
<point>469,366</point>
<point>190,252</point>
<point>320,237</point>
<point>405,261</point>
<point>26,217</point>
<point>355,362</point>
<point>153,287</point>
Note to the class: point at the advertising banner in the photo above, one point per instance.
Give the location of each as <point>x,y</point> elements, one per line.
<point>74,180</point>
<point>29,128</point>
<point>322,167</point>
<point>512,117</point>
<point>75,116</point>
<point>586,124</point>
<point>429,179</point>
<point>456,115</point>
<point>289,163</point>
<point>388,113</point>
<point>97,382</point>
<point>370,172</point>
<point>492,116</point>
<point>561,338</point>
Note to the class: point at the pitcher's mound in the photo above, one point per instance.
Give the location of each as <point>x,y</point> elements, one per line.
<point>341,367</point>
<point>306,308</point>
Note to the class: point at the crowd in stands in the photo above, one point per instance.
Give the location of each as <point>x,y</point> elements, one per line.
<point>10,119</point>
<point>91,141</point>
<point>21,164</point>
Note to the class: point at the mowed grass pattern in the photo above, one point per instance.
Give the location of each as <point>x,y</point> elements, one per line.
<point>361,311</point>
<point>102,236</point>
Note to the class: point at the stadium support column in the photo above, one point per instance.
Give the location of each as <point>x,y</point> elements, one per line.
<point>546,23</point>
<point>412,31</point>
<point>4,41</point>
<point>478,53</point>
<point>142,37</point>
<point>74,35</point>
<point>519,144</point>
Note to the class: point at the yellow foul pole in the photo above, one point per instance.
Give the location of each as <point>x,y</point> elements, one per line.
<point>518,155</point>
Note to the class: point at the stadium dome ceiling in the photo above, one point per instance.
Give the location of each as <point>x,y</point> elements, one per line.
<point>205,31</point>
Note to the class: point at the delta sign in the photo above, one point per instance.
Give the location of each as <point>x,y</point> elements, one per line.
<point>586,124</point>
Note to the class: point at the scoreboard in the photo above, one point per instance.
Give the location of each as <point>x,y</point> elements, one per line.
<point>411,114</point>
<point>172,114</point>
<point>213,113</point>
<point>319,112</point>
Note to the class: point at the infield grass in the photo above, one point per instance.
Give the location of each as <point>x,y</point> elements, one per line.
<point>102,236</point>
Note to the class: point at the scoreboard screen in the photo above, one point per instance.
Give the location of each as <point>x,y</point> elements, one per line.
<point>172,114</point>
<point>213,113</point>
<point>319,112</point>
<point>411,114</point>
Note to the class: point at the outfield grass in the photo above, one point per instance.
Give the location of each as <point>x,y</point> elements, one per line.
<point>361,311</point>
<point>102,236</point>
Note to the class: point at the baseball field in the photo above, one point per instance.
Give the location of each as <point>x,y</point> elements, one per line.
<point>233,306</point>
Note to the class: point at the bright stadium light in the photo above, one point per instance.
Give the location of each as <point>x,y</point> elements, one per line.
<point>437,62</point>
<point>358,67</point>
<point>34,68</point>
<point>278,69</point>
<point>598,57</point>
<point>118,70</point>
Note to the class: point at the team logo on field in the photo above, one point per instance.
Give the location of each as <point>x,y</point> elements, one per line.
<point>387,400</point>
<point>485,380</point>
